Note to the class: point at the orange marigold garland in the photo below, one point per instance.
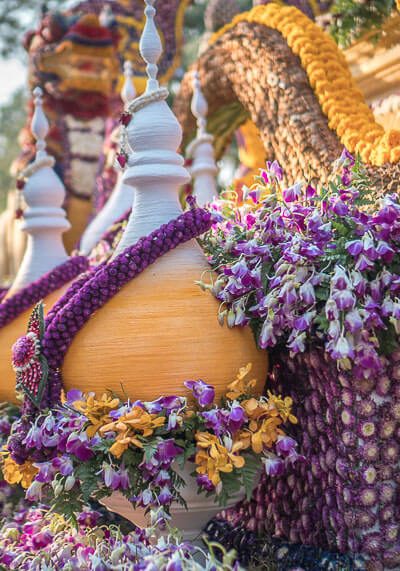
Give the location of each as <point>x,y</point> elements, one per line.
<point>329,76</point>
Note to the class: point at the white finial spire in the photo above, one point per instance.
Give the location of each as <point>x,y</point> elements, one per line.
<point>199,105</point>
<point>44,217</point>
<point>203,169</point>
<point>150,46</point>
<point>106,16</point>
<point>128,92</point>
<point>121,197</point>
<point>155,169</point>
<point>39,124</point>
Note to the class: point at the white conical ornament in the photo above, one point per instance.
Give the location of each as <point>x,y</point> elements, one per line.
<point>203,168</point>
<point>106,16</point>
<point>121,197</point>
<point>44,218</point>
<point>154,169</point>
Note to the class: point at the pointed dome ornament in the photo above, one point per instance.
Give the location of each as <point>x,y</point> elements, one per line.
<point>160,328</point>
<point>121,197</point>
<point>203,168</point>
<point>44,218</point>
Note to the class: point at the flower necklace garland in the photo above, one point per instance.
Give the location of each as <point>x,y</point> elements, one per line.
<point>303,267</point>
<point>93,447</point>
<point>26,297</point>
<point>328,73</point>
<point>85,296</point>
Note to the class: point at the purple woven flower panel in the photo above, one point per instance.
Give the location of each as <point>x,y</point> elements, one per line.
<point>346,497</point>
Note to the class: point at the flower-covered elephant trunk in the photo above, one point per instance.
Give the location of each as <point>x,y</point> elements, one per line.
<point>274,65</point>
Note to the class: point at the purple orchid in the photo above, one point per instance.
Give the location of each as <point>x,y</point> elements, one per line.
<point>203,393</point>
<point>273,465</point>
<point>166,452</point>
<point>292,193</point>
<point>204,482</point>
<point>285,445</point>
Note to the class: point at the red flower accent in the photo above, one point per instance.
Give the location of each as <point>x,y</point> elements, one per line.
<point>122,160</point>
<point>28,363</point>
<point>125,118</point>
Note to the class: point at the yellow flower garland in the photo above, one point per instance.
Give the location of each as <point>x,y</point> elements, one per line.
<point>330,78</point>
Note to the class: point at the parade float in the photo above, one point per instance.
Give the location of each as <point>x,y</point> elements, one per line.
<point>228,359</point>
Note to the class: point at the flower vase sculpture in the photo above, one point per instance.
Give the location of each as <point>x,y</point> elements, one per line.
<point>45,268</point>
<point>160,327</point>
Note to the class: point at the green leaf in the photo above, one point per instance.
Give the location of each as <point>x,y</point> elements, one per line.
<point>150,449</point>
<point>388,340</point>
<point>231,485</point>
<point>251,473</point>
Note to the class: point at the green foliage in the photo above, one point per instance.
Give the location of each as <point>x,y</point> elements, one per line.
<point>18,16</point>
<point>353,18</point>
<point>250,474</point>
<point>231,485</point>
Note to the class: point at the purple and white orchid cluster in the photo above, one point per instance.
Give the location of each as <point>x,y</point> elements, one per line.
<point>300,264</point>
<point>34,539</point>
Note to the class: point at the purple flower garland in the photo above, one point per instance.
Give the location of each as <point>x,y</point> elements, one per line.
<point>12,307</point>
<point>88,294</point>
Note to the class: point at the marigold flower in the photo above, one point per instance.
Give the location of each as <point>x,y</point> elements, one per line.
<point>330,77</point>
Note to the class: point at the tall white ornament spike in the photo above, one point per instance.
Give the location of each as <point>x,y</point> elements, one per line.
<point>44,218</point>
<point>155,169</point>
<point>150,46</point>
<point>106,16</point>
<point>121,197</point>
<point>128,92</point>
<point>203,168</point>
<point>39,124</point>
<point>199,105</point>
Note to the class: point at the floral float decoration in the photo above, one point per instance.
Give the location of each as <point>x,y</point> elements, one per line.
<point>89,447</point>
<point>315,272</point>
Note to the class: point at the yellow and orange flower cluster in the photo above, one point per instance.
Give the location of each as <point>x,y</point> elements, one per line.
<point>213,457</point>
<point>18,473</point>
<point>97,411</point>
<point>129,427</point>
<point>329,76</point>
<point>265,416</point>
<point>241,385</point>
